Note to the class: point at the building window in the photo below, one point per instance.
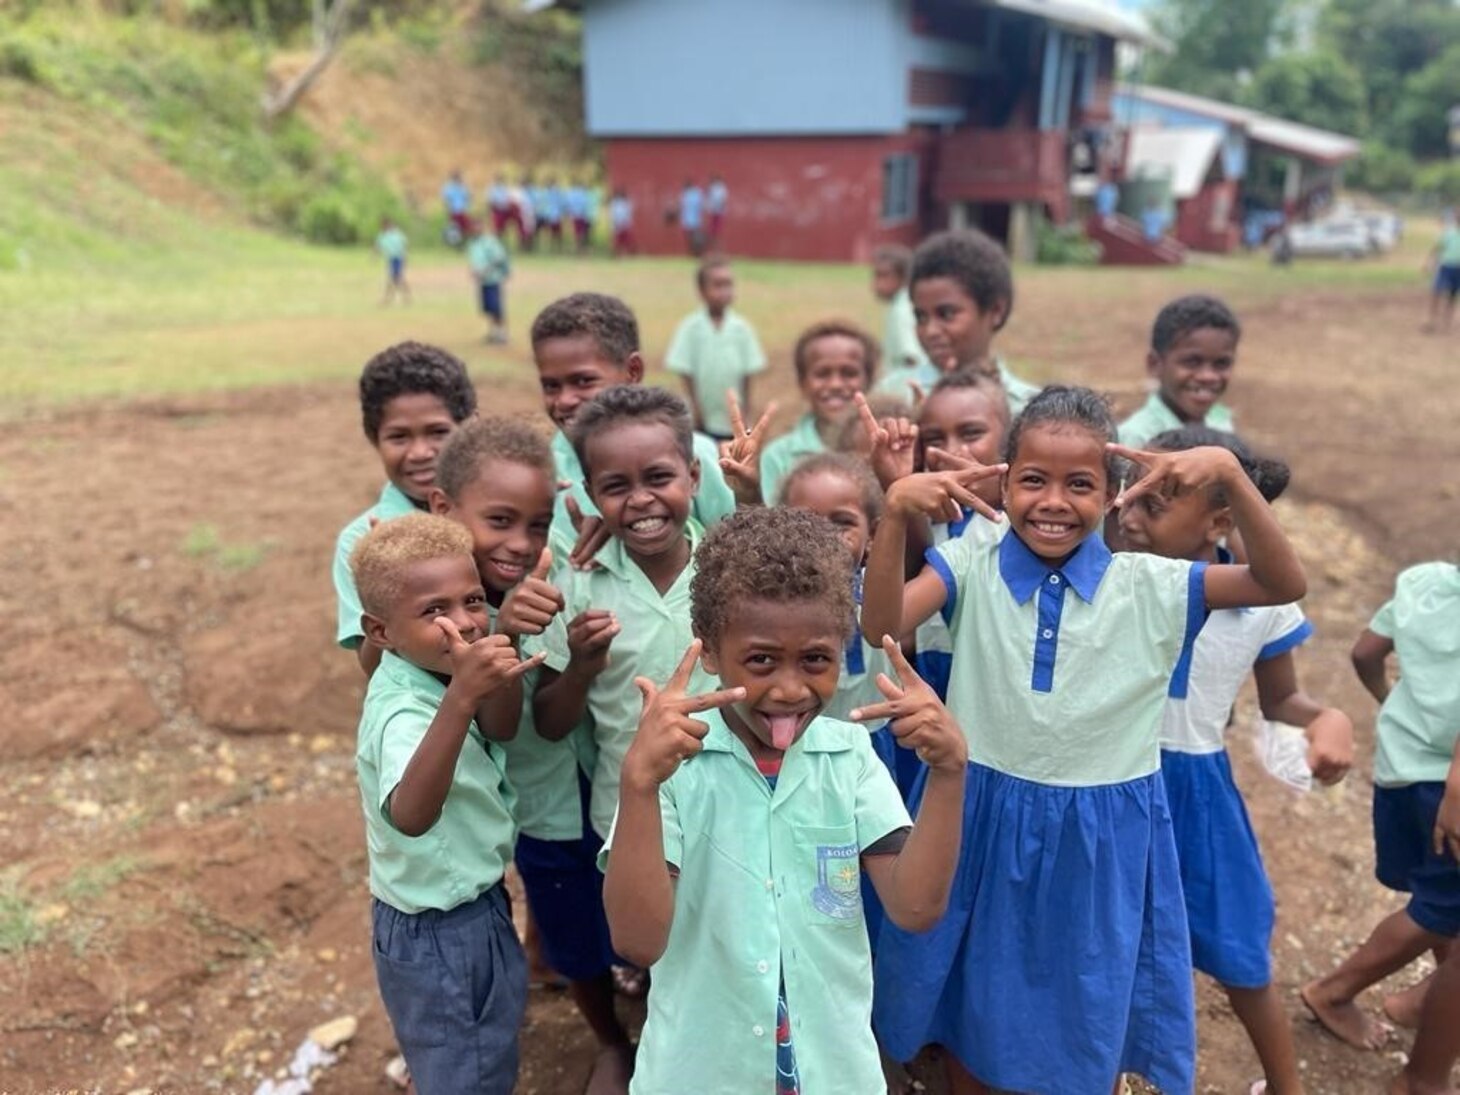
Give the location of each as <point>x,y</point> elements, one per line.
<point>899,188</point>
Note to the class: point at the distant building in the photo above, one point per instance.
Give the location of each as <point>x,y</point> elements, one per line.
<point>1232,171</point>
<point>839,125</point>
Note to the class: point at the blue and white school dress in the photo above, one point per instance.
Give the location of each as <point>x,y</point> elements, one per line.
<point>1063,959</point>
<point>934,659</point>
<point>1229,902</point>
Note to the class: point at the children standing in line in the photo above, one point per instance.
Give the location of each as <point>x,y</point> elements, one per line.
<point>1416,796</point>
<point>621,220</point>
<point>1067,834</point>
<point>1193,350</point>
<point>391,243</point>
<point>490,268</point>
<point>1229,902</point>
<point>963,293</point>
<point>906,369</point>
<point>496,477</point>
<point>834,361</point>
<point>716,351</point>
<point>411,397</point>
<point>583,344</point>
<point>735,863</point>
<point>438,808</point>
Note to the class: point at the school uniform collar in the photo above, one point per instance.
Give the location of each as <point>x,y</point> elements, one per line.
<point>408,675</point>
<point>613,558</point>
<point>1024,572</point>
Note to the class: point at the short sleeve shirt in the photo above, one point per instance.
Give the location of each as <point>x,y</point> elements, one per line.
<point>466,851</point>
<point>861,662</point>
<point>691,208</point>
<point>716,359</point>
<point>1154,417</point>
<point>713,502</point>
<point>1450,246</point>
<point>621,212</point>
<point>655,633</point>
<point>544,774</point>
<point>392,503</point>
<point>456,196</point>
<point>1419,721</point>
<point>1060,674</point>
<point>780,456</point>
<point>1017,390</point>
<point>488,260</point>
<point>934,643</point>
<point>900,346</point>
<point>769,890</point>
<point>1207,679</point>
<point>391,243</point>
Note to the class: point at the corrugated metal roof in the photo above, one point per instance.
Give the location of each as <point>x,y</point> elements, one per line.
<point>1096,15</point>
<point>1308,141</point>
<point>1183,152</point>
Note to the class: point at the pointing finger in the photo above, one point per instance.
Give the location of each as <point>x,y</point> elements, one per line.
<point>869,420</point>
<point>765,420</point>
<point>1135,456</point>
<point>737,418</point>
<point>875,712</point>
<point>906,674</point>
<point>706,700</point>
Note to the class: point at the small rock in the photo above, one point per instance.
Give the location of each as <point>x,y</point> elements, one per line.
<point>141,1007</point>
<point>240,1040</point>
<point>321,743</point>
<point>125,1040</point>
<point>326,954</point>
<point>335,1033</point>
<point>84,808</point>
<point>52,913</point>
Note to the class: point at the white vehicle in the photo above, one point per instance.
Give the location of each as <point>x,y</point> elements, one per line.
<point>1385,228</point>
<point>1332,237</point>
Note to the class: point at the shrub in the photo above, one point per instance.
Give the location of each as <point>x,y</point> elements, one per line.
<point>1064,245</point>
<point>1440,181</point>
<point>1381,169</point>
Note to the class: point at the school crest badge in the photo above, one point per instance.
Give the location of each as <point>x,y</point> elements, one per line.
<point>838,891</point>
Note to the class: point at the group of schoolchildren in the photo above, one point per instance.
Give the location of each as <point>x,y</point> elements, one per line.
<point>903,729</point>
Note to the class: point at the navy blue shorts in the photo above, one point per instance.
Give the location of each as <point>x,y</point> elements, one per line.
<point>1405,859</point>
<point>565,893</point>
<point>1447,280</point>
<point>492,301</point>
<point>396,267</point>
<point>455,987</point>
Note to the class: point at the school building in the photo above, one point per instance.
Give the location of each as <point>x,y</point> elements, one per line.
<point>839,125</point>
<point>1227,173</point>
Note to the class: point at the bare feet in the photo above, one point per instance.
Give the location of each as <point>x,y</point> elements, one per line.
<point>612,1070</point>
<point>1344,1020</point>
<point>1403,1008</point>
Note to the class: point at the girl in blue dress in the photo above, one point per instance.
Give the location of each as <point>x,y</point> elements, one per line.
<point>1063,959</point>
<point>1229,902</point>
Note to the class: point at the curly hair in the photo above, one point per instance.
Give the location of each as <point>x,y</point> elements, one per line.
<point>410,368</point>
<point>965,379</point>
<point>605,319</point>
<point>381,559</point>
<point>1058,405</point>
<point>837,328</point>
<point>1269,475</point>
<point>707,264</point>
<point>895,257</point>
<point>468,450</point>
<point>777,555</point>
<point>849,467</point>
<point>1191,313</point>
<point>633,403</point>
<point>973,260</point>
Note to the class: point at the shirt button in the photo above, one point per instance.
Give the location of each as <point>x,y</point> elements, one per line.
<point>1054,579</point>
<point>758,1030</point>
<point>770,883</point>
<point>762,967</point>
<point>1047,633</point>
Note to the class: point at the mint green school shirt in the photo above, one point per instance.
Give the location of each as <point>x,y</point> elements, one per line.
<point>1017,390</point>
<point>655,634</point>
<point>768,890</point>
<point>903,361</point>
<point>391,243</point>
<point>1419,721</point>
<point>1060,675</point>
<point>715,359</point>
<point>391,503</point>
<point>1449,246</point>
<point>713,502</point>
<point>466,851</point>
<point>544,774</point>
<point>861,662</point>
<point>780,456</point>
<point>488,260</point>
<point>1155,417</point>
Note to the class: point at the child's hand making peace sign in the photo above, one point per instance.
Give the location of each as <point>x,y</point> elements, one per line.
<point>740,456</point>
<point>667,734</point>
<point>919,720</point>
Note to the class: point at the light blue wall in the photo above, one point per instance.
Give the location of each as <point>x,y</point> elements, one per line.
<point>737,67</point>
<point>1132,110</point>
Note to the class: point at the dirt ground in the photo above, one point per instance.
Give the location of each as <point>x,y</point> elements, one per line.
<point>183,891</point>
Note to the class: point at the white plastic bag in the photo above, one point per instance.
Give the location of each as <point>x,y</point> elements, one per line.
<point>1283,751</point>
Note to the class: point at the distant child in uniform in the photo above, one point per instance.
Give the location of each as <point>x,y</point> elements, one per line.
<point>490,268</point>
<point>906,369</point>
<point>412,396</point>
<point>1445,259</point>
<point>1229,902</point>
<point>438,808</point>
<point>1193,351</point>
<point>1061,657</point>
<point>496,477</point>
<point>392,245</point>
<point>621,219</point>
<point>583,344</point>
<point>717,201</point>
<point>748,816</point>
<point>1416,800</point>
<point>962,294</point>
<point>575,205</point>
<point>692,217</point>
<point>716,351</point>
<point>834,361</point>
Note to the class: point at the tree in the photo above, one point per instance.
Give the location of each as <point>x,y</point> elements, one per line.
<point>1218,43</point>
<point>1315,88</point>
<point>1388,41</point>
<point>330,19</point>
<point>1420,121</point>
